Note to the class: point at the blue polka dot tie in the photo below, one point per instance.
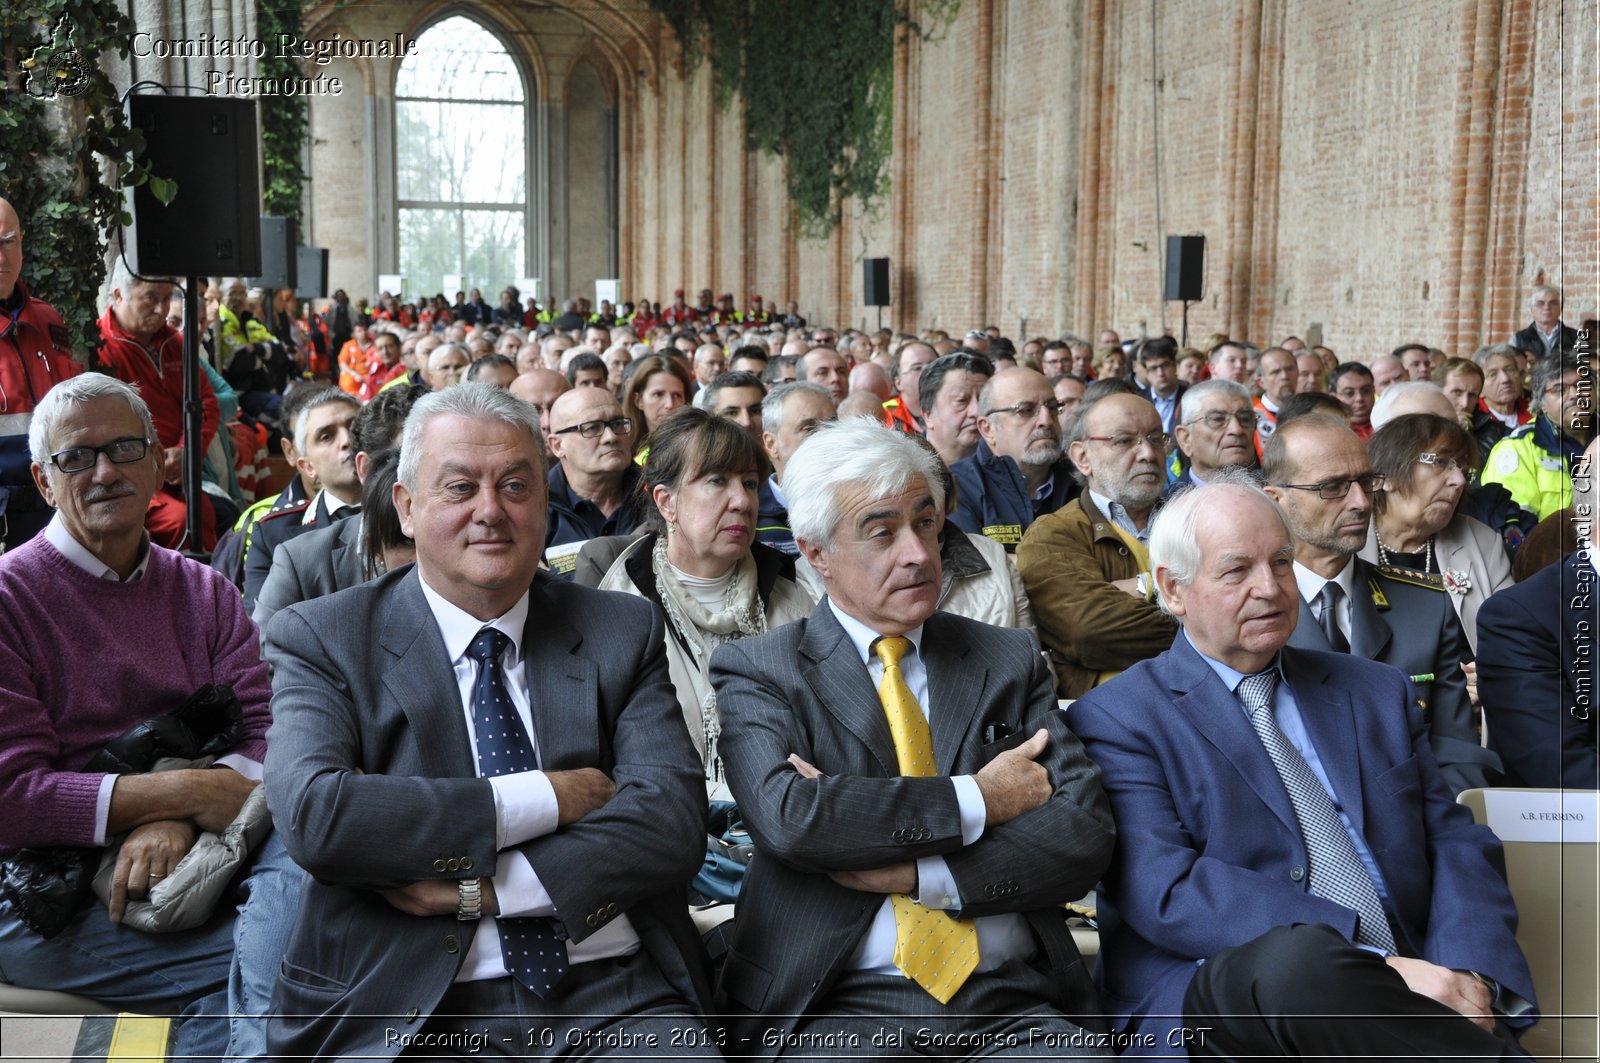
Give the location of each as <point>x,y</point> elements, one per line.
<point>533,953</point>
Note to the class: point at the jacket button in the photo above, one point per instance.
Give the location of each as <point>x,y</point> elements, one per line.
<point>452,944</point>
<point>466,863</point>
<point>411,1015</point>
<point>439,865</point>
<point>611,909</point>
<point>452,864</point>
<point>1123,550</point>
<point>898,836</point>
<point>1297,873</point>
<point>589,919</point>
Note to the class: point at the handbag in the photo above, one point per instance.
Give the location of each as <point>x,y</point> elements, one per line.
<point>190,892</point>
<point>728,855</point>
<point>46,887</point>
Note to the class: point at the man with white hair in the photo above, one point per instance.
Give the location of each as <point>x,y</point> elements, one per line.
<point>1216,430</point>
<point>1018,473</point>
<point>1292,877</point>
<point>909,873</point>
<point>1545,334</point>
<point>138,347</point>
<point>789,415</point>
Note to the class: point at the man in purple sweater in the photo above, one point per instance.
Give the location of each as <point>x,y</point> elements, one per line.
<point>101,630</point>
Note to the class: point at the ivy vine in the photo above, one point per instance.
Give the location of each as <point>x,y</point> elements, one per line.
<point>68,149</point>
<point>283,124</point>
<point>816,78</point>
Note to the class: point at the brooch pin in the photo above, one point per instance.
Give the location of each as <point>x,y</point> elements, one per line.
<point>1457,581</point>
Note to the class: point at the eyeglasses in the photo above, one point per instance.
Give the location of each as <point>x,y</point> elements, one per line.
<point>1439,461</point>
<point>592,429</point>
<point>1332,489</point>
<point>80,459</point>
<point>1216,420</point>
<point>1028,410</point>
<point>1158,440</point>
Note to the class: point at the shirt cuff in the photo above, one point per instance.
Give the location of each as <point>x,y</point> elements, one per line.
<point>102,808</point>
<point>969,800</point>
<point>250,769</point>
<point>518,890</point>
<point>936,886</point>
<point>524,807</point>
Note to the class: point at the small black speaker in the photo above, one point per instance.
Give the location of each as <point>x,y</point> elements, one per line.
<point>207,146</point>
<point>875,281</point>
<point>1186,265</point>
<point>313,269</point>
<point>280,259</point>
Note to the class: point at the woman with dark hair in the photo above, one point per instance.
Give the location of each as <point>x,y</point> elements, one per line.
<point>656,386</point>
<point>713,582</point>
<point>1427,462</point>
<point>700,562</point>
<point>384,546</point>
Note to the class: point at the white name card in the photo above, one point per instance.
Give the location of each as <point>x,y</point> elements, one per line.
<point>1517,816</point>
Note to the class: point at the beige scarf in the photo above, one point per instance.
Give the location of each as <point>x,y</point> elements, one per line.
<point>703,631</point>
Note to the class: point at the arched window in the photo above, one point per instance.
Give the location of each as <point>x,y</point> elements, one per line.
<point>461,161</point>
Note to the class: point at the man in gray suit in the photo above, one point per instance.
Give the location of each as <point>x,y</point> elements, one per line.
<point>329,559</point>
<point>486,773</point>
<point>914,843</point>
<point>1319,472</point>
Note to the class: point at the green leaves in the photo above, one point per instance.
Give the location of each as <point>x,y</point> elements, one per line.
<point>163,189</point>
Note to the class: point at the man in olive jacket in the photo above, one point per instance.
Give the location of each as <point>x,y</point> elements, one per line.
<point>1085,567</point>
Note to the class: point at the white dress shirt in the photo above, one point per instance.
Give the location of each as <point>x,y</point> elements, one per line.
<point>1311,585</point>
<point>524,802</point>
<point>1000,937</point>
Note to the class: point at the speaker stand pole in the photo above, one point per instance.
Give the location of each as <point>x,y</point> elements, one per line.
<point>1186,323</point>
<point>193,420</point>
<point>880,317</point>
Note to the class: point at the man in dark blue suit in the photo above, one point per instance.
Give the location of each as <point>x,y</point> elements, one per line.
<point>1291,875</point>
<point>1536,662</point>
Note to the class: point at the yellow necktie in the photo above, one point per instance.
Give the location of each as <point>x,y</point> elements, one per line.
<point>934,949</point>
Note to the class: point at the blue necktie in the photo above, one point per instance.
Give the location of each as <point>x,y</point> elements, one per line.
<point>533,953</point>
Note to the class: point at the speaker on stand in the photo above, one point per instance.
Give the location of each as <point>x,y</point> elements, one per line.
<point>875,284</point>
<point>207,147</point>
<point>1185,274</point>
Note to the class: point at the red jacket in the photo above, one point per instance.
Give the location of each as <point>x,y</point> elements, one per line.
<point>157,371</point>
<point>35,354</point>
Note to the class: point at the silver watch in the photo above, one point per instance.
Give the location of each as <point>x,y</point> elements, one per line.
<point>469,901</point>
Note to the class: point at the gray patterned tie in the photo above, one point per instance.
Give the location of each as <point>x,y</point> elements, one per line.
<point>1337,872</point>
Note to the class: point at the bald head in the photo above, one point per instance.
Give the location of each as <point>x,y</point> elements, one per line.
<point>10,248</point>
<point>869,376</point>
<point>541,388</point>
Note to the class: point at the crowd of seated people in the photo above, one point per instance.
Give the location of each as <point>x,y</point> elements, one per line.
<point>1295,600</point>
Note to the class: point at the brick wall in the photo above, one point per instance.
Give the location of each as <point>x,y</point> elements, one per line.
<point>1385,172</point>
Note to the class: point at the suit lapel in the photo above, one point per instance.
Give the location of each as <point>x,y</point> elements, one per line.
<point>563,688</point>
<point>1219,717</point>
<point>839,679</point>
<point>420,681</point>
<point>1308,632</point>
<point>1329,719</point>
<point>345,561</point>
<point>955,688</point>
<point>1370,632</point>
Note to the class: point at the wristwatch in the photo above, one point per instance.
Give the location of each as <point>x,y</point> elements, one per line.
<point>469,900</point>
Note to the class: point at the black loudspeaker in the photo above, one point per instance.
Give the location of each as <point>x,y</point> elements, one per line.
<point>313,269</point>
<point>875,281</point>
<point>280,259</point>
<point>1186,264</point>
<point>206,145</point>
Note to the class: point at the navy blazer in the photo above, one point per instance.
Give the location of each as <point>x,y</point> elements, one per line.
<point>1209,853</point>
<point>1530,647</point>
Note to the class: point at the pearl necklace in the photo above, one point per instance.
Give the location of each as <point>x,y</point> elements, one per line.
<point>1383,552</point>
